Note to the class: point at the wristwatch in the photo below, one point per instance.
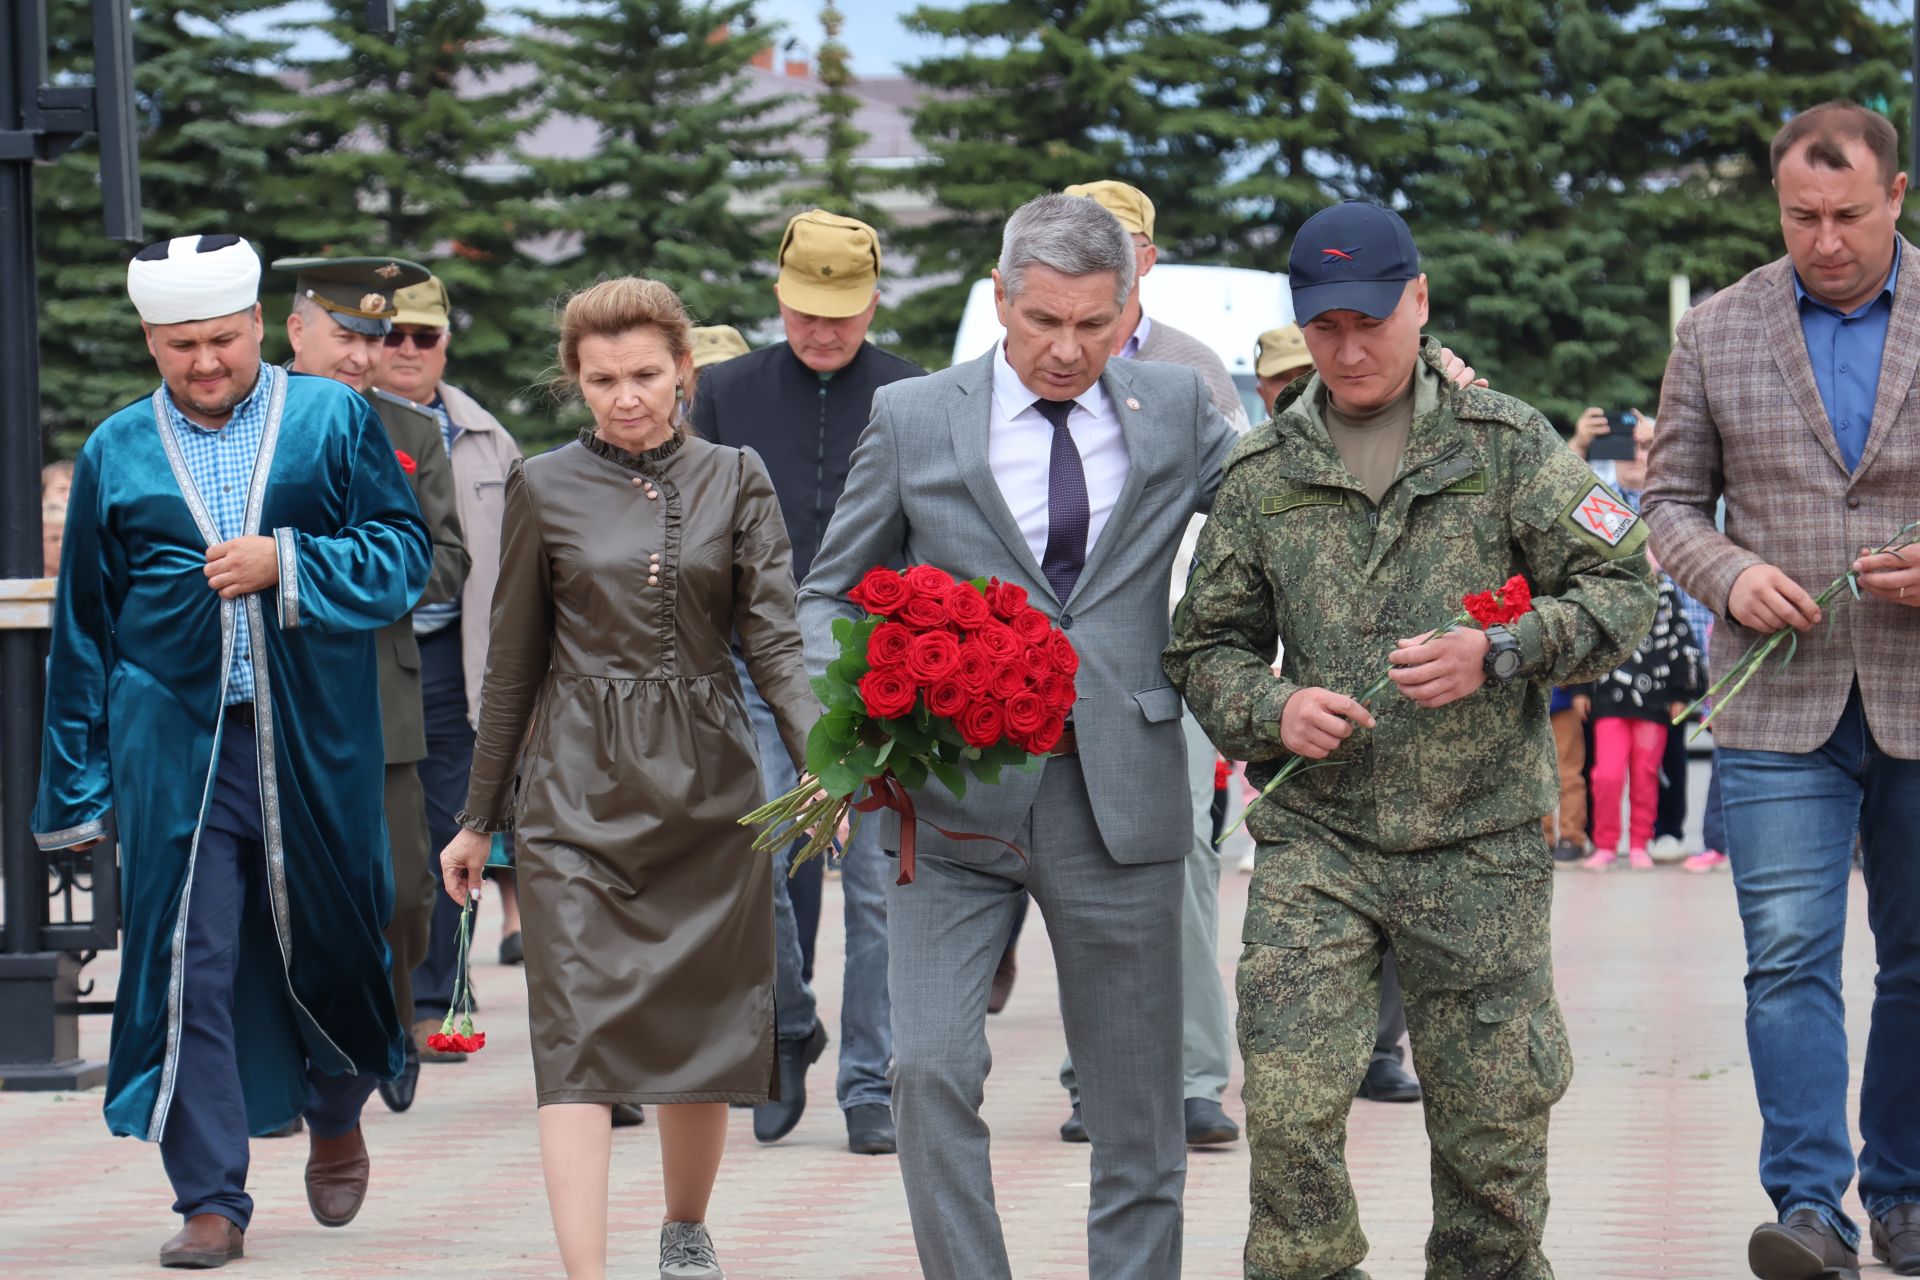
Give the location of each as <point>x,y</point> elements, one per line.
<point>1502,662</point>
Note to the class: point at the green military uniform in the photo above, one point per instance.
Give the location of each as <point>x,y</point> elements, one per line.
<point>357,293</point>
<point>1427,838</point>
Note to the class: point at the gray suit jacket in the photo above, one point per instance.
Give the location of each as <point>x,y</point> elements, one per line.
<point>921,488</point>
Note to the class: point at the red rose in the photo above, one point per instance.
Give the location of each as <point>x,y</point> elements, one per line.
<point>1058,691</point>
<point>1047,736</point>
<point>948,698</point>
<point>882,591</point>
<point>983,723</point>
<point>1061,655</point>
<point>933,656</point>
<point>888,645</point>
<point>975,668</point>
<point>1031,626</point>
<point>925,580</point>
<point>1007,679</point>
<point>967,607</point>
<point>888,693</point>
<point>999,642</point>
<point>1006,599</point>
<point>407,464</point>
<point>924,612</point>
<point>1037,666</point>
<point>1026,712</point>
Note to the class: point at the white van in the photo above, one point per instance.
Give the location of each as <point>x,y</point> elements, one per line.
<point>1228,308</point>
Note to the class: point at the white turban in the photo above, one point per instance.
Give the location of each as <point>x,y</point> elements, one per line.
<point>194,278</point>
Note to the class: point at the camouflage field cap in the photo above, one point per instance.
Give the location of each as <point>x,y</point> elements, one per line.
<point>713,343</point>
<point>1282,350</point>
<point>1127,203</point>
<point>356,292</point>
<point>424,304</point>
<point>829,265</point>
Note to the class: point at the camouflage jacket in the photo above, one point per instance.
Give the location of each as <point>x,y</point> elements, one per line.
<point>1295,556</point>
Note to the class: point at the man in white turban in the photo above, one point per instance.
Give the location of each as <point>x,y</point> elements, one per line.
<point>231,543</point>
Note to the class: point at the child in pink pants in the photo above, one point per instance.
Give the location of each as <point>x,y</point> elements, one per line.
<point>1632,707</point>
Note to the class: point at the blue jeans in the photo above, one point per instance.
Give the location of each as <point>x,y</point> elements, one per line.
<point>1790,822</point>
<point>866,1031</point>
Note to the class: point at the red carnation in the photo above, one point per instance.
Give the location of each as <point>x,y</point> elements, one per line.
<point>983,723</point>
<point>882,591</point>
<point>1026,712</point>
<point>1000,643</point>
<point>925,580</point>
<point>1006,599</point>
<point>1058,691</point>
<point>1507,603</point>
<point>888,645</point>
<point>1222,773</point>
<point>967,607</point>
<point>933,656</point>
<point>1061,654</point>
<point>1048,735</point>
<point>887,693</point>
<point>1031,626</point>
<point>407,464</point>
<point>923,612</point>
<point>441,1042</point>
<point>1007,679</point>
<point>948,698</point>
<point>975,668</point>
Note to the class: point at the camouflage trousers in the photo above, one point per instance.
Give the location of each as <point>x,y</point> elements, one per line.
<point>1469,926</point>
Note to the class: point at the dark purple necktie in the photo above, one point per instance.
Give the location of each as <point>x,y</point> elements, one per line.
<point>1067,512</point>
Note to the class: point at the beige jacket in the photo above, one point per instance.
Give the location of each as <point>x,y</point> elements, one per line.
<point>481,455</point>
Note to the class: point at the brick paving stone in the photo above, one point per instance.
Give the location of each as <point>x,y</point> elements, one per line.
<point>1652,1171</point>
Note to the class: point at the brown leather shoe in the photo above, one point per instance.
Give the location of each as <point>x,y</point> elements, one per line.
<point>421,1030</point>
<point>337,1177</point>
<point>1804,1247</point>
<point>1002,989</point>
<point>1896,1239</point>
<point>205,1241</point>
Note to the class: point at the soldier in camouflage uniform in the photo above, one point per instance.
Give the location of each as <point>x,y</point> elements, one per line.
<point>1426,839</point>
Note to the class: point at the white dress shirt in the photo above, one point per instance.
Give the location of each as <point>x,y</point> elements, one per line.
<point>1020,448</point>
<point>1130,349</point>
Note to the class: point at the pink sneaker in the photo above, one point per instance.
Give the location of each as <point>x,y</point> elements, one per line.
<point>1701,863</point>
<point>1639,860</point>
<point>1600,860</point>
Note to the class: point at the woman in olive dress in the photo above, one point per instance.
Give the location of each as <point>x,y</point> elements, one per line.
<point>629,561</point>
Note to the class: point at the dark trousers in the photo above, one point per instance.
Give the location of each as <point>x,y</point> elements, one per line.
<point>803,890</point>
<point>443,776</point>
<point>1671,819</point>
<point>204,1145</point>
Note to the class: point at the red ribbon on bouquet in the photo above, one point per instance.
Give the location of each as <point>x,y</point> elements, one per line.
<point>887,793</point>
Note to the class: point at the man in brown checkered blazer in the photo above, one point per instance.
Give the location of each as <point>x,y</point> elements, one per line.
<point>1793,396</point>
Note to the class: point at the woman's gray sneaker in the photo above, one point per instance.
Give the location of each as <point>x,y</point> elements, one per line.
<point>686,1253</point>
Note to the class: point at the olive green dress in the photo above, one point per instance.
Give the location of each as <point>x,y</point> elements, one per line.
<point>647,916</point>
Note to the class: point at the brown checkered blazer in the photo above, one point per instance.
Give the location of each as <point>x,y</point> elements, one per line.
<point>1741,417</point>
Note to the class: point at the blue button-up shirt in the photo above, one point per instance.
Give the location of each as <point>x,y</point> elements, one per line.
<point>429,618</point>
<point>1845,348</point>
<point>221,463</point>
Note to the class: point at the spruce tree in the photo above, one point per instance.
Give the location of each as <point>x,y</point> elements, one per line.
<point>838,183</point>
<point>207,164</point>
<point>677,152</point>
<point>1037,95</point>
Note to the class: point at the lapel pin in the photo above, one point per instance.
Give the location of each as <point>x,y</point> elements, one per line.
<point>1132,403</point>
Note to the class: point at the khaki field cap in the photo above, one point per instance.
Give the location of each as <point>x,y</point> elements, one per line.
<point>1129,204</point>
<point>829,265</point>
<point>423,304</point>
<point>713,343</point>
<point>1280,350</point>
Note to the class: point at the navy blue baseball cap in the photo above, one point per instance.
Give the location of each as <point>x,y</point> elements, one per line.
<point>1352,257</point>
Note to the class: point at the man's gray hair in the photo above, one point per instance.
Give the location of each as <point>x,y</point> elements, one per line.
<point>1071,234</point>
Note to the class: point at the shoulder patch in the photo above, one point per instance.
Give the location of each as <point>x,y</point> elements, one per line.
<point>1600,515</point>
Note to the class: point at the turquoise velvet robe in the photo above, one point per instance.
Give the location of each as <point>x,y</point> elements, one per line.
<point>137,677</point>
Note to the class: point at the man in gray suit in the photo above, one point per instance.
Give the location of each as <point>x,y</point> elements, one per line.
<point>1046,466</point>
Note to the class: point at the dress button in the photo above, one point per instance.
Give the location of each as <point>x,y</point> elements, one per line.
<point>652,581</point>
<point>1066,622</point>
<point>637,482</point>
<point>1852,503</point>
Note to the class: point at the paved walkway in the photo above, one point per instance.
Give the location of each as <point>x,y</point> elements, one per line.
<point>1653,1149</point>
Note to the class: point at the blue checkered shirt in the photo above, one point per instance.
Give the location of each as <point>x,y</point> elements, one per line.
<point>429,618</point>
<point>221,464</point>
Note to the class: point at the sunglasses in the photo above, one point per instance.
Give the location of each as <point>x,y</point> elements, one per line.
<point>424,341</point>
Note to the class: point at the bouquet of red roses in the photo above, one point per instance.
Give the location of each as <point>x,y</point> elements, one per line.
<point>941,679</point>
<point>1507,603</point>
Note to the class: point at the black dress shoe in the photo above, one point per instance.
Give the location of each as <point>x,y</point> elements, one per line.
<point>1387,1081</point>
<point>511,952</point>
<point>870,1130</point>
<point>1075,1129</point>
<point>626,1115</point>
<point>1804,1247</point>
<point>1896,1239</point>
<point>773,1121</point>
<point>398,1092</point>
<point>1003,975</point>
<point>1208,1125</point>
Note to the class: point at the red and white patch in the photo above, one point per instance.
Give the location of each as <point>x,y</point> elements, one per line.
<point>1604,516</point>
